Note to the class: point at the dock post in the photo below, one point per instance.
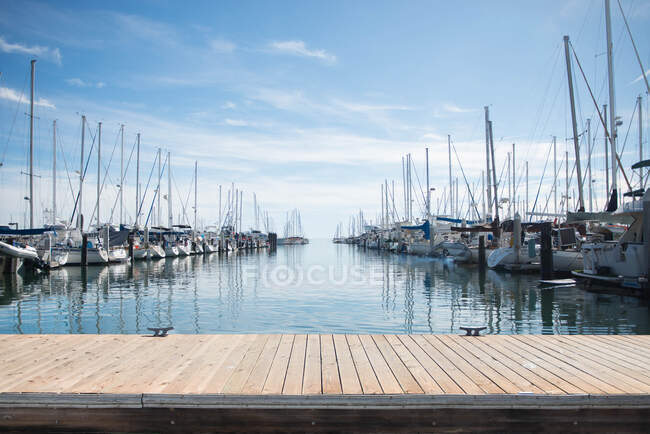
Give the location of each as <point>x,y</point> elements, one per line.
<point>131,247</point>
<point>273,242</point>
<point>546,254</point>
<point>84,250</point>
<point>481,252</point>
<point>646,236</point>
<point>225,247</point>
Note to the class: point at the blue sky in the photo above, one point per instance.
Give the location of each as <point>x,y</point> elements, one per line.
<point>308,104</point>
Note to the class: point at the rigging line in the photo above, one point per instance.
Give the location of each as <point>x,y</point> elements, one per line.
<point>189,192</point>
<point>65,163</point>
<point>83,175</point>
<point>628,128</point>
<point>539,187</point>
<point>465,178</point>
<point>146,189</point>
<point>181,197</point>
<point>101,189</point>
<point>153,200</point>
<point>128,162</point>
<point>600,116</point>
<point>13,122</point>
<point>629,32</point>
<point>419,185</point>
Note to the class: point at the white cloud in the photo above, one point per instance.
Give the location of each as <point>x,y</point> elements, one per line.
<point>228,105</point>
<point>365,108</point>
<point>236,123</point>
<point>12,95</point>
<point>298,48</point>
<point>52,54</point>
<point>452,108</point>
<point>81,83</point>
<point>640,77</point>
<point>222,46</point>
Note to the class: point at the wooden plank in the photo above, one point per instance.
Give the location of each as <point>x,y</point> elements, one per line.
<point>245,367</point>
<point>389,383</point>
<point>403,375</point>
<point>424,380</point>
<point>541,378</point>
<point>437,373</point>
<point>197,374</point>
<point>255,382</point>
<point>58,375</point>
<point>43,358</point>
<point>570,373</point>
<point>161,370</point>
<point>296,368</point>
<point>330,369</point>
<point>631,349</point>
<point>605,373</point>
<point>312,381</point>
<point>278,372</point>
<point>496,369</point>
<point>175,372</point>
<point>530,360</point>
<point>220,376</point>
<point>141,373</point>
<point>637,340</point>
<point>481,380</point>
<point>350,383</point>
<point>367,377</point>
<point>617,360</point>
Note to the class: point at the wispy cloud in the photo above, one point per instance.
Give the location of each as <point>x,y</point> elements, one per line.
<point>299,48</point>
<point>640,77</point>
<point>222,46</point>
<point>365,108</point>
<point>228,105</point>
<point>453,108</point>
<point>47,53</point>
<point>13,95</point>
<point>236,123</point>
<point>81,83</point>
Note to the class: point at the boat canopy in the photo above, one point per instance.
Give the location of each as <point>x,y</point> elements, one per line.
<point>424,227</point>
<point>6,230</point>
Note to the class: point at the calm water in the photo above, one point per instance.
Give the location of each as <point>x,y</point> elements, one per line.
<point>321,287</point>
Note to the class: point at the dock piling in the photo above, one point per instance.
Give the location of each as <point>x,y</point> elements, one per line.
<point>481,252</point>
<point>546,254</point>
<point>84,250</point>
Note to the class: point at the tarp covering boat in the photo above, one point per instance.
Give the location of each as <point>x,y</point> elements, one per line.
<point>424,227</point>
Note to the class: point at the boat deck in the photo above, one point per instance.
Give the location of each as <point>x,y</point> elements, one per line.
<point>78,379</point>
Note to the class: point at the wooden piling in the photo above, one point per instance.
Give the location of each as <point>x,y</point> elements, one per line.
<point>481,251</point>
<point>131,253</point>
<point>546,254</point>
<point>84,250</point>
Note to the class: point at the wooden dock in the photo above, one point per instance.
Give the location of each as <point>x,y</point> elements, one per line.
<point>385,383</point>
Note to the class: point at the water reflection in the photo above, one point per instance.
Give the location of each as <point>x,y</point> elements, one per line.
<point>327,288</point>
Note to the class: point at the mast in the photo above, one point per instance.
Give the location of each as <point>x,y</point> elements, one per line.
<point>137,182</point>
<point>555,174</point>
<point>81,172</point>
<point>241,201</point>
<point>612,99</point>
<point>514,182</point>
<point>410,190</point>
<point>526,189</point>
<point>220,223</point>
<point>386,198</point>
<point>487,159</point>
<point>640,101</point>
<point>54,172</point>
<point>170,213</point>
<point>483,194</point>
<point>158,190</point>
<point>509,189</point>
<point>428,189</point>
<point>31,149</point>
<point>122,175</point>
<point>451,185</point>
<point>196,171</point>
<point>255,210</point>
<point>381,223</point>
<point>591,203</point>
<point>99,167</point>
<point>566,182</point>
<point>404,189</point>
<point>494,174</point>
<point>606,157</point>
<point>576,145</point>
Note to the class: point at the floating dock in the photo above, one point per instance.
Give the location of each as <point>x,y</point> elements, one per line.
<point>390,383</point>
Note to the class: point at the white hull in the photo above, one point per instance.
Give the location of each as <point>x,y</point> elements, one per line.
<point>156,252</point>
<point>17,252</point>
<point>94,256</point>
<point>118,255</point>
<point>171,251</point>
<point>459,251</point>
<point>140,253</point>
<point>184,250</point>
